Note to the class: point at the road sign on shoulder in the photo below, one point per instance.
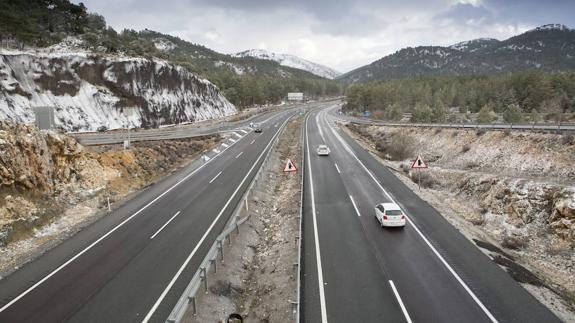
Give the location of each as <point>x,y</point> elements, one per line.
<point>290,166</point>
<point>419,163</point>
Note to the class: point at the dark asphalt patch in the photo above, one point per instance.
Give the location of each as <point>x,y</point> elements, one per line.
<point>491,247</point>
<point>518,272</point>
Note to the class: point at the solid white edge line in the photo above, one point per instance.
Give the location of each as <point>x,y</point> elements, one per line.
<point>239,154</point>
<point>55,271</point>
<point>354,206</point>
<point>337,168</point>
<point>400,302</point>
<point>200,242</point>
<point>449,268</point>
<point>315,234</point>
<point>213,179</point>
<point>165,224</point>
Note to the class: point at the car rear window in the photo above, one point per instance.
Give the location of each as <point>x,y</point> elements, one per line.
<point>393,212</point>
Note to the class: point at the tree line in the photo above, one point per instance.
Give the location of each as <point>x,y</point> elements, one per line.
<point>516,96</point>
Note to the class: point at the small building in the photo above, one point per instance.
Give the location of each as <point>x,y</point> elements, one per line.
<point>295,96</point>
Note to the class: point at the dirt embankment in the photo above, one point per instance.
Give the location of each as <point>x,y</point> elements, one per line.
<point>514,190</point>
<point>50,184</point>
<point>257,278</point>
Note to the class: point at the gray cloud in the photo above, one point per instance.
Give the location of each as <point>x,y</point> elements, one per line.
<point>343,34</point>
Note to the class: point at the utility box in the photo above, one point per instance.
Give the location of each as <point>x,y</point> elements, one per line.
<point>44,117</point>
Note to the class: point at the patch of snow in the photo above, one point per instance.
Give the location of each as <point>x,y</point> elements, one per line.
<point>291,61</point>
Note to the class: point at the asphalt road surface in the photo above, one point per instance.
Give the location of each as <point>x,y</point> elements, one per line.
<point>133,265</point>
<point>356,271</point>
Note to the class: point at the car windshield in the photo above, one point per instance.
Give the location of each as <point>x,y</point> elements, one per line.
<point>393,212</point>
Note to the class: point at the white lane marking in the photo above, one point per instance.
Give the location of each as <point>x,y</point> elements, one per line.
<point>316,236</point>
<point>225,145</point>
<point>354,206</point>
<point>237,134</point>
<point>216,151</point>
<point>232,140</point>
<point>191,255</point>
<point>252,141</point>
<point>213,179</point>
<point>407,318</point>
<point>449,268</point>
<point>242,130</point>
<point>337,168</point>
<point>55,271</point>
<point>319,128</point>
<point>165,224</point>
<point>239,154</point>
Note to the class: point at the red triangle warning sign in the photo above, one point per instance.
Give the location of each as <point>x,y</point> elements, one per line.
<point>290,166</point>
<point>419,163</point>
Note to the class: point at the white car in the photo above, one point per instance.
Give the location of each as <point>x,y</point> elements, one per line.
<point>323,150</point>
<point>390,215</point>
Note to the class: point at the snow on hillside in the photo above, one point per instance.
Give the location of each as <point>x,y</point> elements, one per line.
<point>88,91</point>
<point>291,61</point>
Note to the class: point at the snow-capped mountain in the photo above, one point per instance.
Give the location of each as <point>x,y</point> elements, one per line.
<point>88,91</point>
<point>291,61</point>
<point>548,48</point>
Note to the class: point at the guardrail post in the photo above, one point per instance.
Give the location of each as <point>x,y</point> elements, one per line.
<point>215,264</point>
<point>221,250</point>
<point>237,227</point>
<point>194,308</point>
<point>204,277</point>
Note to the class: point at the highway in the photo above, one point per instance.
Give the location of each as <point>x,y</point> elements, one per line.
<point>356,271</point>
<point>133,264</point>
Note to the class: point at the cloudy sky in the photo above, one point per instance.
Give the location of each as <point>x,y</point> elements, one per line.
<point>342,34</point>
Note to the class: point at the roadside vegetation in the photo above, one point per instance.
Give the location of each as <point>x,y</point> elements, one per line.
<point>522,96</point>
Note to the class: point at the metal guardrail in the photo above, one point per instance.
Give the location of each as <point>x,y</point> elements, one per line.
<point>492,126</point>
<point>200,277</point>
<point>300,234</point>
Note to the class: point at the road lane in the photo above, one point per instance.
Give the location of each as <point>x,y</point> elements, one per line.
<point>356,288</point>
<point>120,276</point>
<point>412,263</point>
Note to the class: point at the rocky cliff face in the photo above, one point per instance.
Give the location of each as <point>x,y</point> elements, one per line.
<point>89,91</point>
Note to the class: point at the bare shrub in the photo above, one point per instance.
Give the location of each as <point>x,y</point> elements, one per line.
<point>400,147</point>
<point>438,131</point>
<point>567,139</point>
<point>425,179</point>
<point>480,132</point>
<point>507,132</point>
<point>465,148</point>
<point>512,242</point>
<point>471,165</point>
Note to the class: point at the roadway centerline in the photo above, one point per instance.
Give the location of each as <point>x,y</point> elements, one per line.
<point>354,206</point>
<point>337,168</point>
<point>445,263</point>
<point>316,235</point>
<point>213,179</point>
<point>403,309</point>
<point>165,224</point>
<point>239,154</point>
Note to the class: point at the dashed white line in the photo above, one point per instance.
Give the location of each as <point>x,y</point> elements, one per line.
<point>225,145</point>
<point>252,141</point>
<point>213,179</point>
<point>165,224</point>
<point>242,130</point>
<point>407,318</point>
<point>449,268</point>
<point>239,154</point>
<point>354,206</point>
<point>337,168</point>
<point>237,135</point>
<point>232,140</point>
<point>316,238</point>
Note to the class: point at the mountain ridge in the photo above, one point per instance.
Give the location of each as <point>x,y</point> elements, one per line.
<point>548,48</point>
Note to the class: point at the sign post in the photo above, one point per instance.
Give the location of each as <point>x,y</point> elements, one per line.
<point>418,164</point>
<point>290,167</point>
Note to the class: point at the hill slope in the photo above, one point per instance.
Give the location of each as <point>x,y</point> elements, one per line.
<point>548,48</point>
<point>291,61</point>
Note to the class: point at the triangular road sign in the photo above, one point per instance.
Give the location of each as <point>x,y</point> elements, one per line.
<point>290,166</point>
<point>419,163</point>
